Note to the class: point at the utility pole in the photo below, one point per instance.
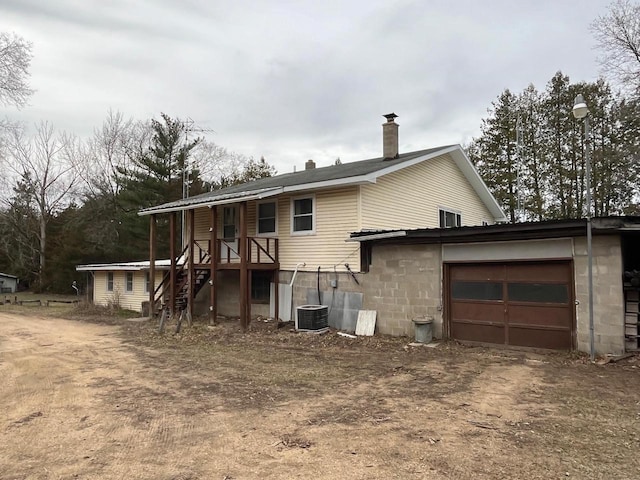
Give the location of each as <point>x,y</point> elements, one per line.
<point>189,126</point>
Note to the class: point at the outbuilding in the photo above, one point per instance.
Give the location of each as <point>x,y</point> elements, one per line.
<point>523,284</point>
<point>8,283</point>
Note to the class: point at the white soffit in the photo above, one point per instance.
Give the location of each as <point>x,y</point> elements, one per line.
<point>512,250</point>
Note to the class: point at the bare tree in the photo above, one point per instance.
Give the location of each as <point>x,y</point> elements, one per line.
<point>15,58</point>
<point>109,148</point>
<point>216,163</point>
<point>618,38</point>
<point>45,175</point>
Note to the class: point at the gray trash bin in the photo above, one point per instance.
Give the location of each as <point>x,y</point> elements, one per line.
<point>424,329</point>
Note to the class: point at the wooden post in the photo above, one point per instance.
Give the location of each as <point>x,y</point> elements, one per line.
<point>213,255</point>
<point>276,294</point>
<point>172,256</point>
<point>276,276</point>
<point>244,294</point>
<point>152,265</point>
<point>190,258</point>
<point>249,279</point>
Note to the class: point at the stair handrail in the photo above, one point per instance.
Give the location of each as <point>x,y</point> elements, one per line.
<point>162,286</point>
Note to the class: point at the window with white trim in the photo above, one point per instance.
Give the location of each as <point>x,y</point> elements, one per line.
<point>266,222</point>
<point>109,281</point>
<point>128,284</point>
<point>449,218</point>
<point>147,281</point>
<point>302,215</point>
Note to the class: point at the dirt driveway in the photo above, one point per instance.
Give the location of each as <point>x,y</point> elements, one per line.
<point>90,401</point>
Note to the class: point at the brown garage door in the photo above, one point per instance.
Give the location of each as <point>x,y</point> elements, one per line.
<point>524,304</point>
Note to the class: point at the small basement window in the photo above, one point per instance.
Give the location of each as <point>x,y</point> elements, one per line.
<point>449,219</point>
<point>260,286</point>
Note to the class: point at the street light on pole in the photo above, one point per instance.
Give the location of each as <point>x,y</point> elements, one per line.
<point>580,111</point>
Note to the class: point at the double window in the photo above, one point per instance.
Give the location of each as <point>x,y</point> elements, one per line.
<point>449,218</point>
<point>267,218</point>
<point>303,220</point>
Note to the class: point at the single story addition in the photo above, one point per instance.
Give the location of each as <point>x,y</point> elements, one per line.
<point>124,284</point>
<point>522,284</point>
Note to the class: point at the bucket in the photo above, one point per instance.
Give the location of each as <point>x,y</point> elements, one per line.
<point>423,327</point>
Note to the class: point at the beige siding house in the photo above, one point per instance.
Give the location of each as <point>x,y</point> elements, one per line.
<point>125,285</point>
<point>290,231</point>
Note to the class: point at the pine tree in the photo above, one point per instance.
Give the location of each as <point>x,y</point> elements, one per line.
<point>494,153</point>
<point>156,175</point>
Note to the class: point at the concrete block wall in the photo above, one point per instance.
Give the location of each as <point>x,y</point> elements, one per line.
<point>608,294</point>
<point>404,282</point>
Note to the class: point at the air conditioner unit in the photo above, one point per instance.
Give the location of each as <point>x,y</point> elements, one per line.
<point>312,318</point>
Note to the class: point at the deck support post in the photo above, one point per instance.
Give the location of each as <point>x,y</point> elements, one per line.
<point>244,277</point>
<point>213,258</point>
<point>276,284</point>
<point>191,265</point>
<point>172,270</point>
<point>152,265</point>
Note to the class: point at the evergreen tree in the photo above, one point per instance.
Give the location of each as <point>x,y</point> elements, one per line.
<point>156,175</point>
<point>550,151</point>
<point>494,153</point>
<point>19,230</point>
<point>534,171</point>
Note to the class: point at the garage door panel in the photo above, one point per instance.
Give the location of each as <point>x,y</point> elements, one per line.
<point>482,272</point>
<point>543,272</point>
<point>548,316</point>
<point>531,337</point>
<point>477,332</point>
<point>482,312</point>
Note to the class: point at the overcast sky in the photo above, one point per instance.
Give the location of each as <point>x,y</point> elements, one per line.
<point>293,80</point>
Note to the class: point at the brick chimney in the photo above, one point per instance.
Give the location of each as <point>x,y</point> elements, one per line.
<point>390,137</point>
<point>310,165</point>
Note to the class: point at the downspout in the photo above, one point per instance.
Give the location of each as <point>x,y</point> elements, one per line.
<point>293,279</point>
<point>295,272</point>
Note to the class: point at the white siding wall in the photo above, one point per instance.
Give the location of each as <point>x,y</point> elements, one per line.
<point>411,197</point>
<point>336,217</point>
<point>129,300</point>
<point>336,212</point>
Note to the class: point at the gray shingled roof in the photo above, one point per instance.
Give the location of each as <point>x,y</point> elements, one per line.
<point>311,176</point>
